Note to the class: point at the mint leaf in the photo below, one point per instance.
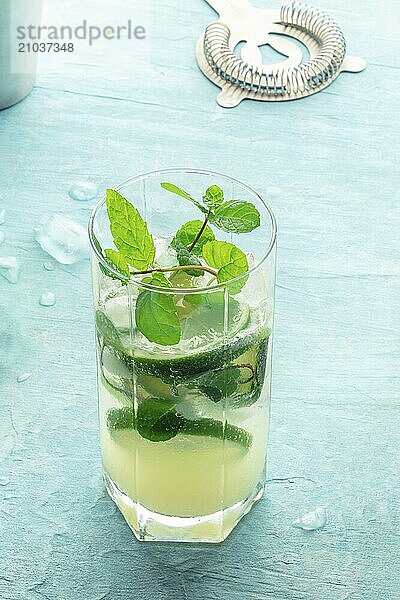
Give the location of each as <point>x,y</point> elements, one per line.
<point>117,259</point>
<point>156,315</point>
<point>158,279</point>
<point>230,261</point>
<point>107,272</point>
<point>170,187</point>
<point>236,216</point>
<point>213,197</point>
<point>218,384</point>
<point>120,419</point>
<point>129,231</point>
<point>157,420</point>
<point>185,258</point>
<point>106,329</point>
<point>188,233</point>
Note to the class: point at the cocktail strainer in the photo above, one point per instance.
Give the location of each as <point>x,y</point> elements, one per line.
<point>243,75</point>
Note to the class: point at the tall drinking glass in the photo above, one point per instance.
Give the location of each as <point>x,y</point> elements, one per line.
<point>195,470</point>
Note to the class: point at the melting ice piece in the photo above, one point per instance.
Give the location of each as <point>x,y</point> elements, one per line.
<point>313,520</point>
<point>23,377</point>
<point>47,299</point>
<point>83,191</point>
<point>48,266</point>
<point>2,237</point>
<point>9,268</point>
<point>165,255</point>
<point>118,311</point>
<point>63,239</point>
<point>2,216</point>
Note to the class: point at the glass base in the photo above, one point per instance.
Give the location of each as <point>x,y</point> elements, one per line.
<point>149,526</point>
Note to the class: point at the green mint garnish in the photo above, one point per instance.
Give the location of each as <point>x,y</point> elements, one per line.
<point>236,216</point>
<point>106,271</point>
<point>117,259</point>
<point>198,253</point>
<point>230,261</point>
<point>189,232</point>
<point>156,315</point>
<point>185,258</point>
<point>213,197</point>
<point>129,231</point>
<point>158,421</point>
<point>217,384</point>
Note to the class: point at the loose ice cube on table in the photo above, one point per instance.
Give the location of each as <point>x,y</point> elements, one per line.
<point>62,238</point>
<point>9,268</point>
<point>313,520</point>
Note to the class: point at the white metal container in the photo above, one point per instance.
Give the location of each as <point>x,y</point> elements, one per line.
<point>17,69</point>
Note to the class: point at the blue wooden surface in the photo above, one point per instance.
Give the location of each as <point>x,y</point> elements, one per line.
<point>329,166</point>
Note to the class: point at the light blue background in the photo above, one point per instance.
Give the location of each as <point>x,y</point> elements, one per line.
<point>329,167</point>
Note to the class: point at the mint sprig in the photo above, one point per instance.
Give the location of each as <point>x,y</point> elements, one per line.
<point>198,253</point>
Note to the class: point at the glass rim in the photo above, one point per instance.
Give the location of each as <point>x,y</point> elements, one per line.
<point>181,290</point>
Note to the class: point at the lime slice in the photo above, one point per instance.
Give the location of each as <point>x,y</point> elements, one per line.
<point>158,421</point>
<point>122,382</point>
<point>214,333</point>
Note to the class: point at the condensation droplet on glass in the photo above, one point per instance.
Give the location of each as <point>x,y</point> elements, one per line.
<point>23,377</point>
<point>48,266</point>
<point>83,191</point>
<point>2,216</point>
<point>47,299</point>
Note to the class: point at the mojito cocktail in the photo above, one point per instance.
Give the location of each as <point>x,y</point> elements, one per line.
<point>183,289</point>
